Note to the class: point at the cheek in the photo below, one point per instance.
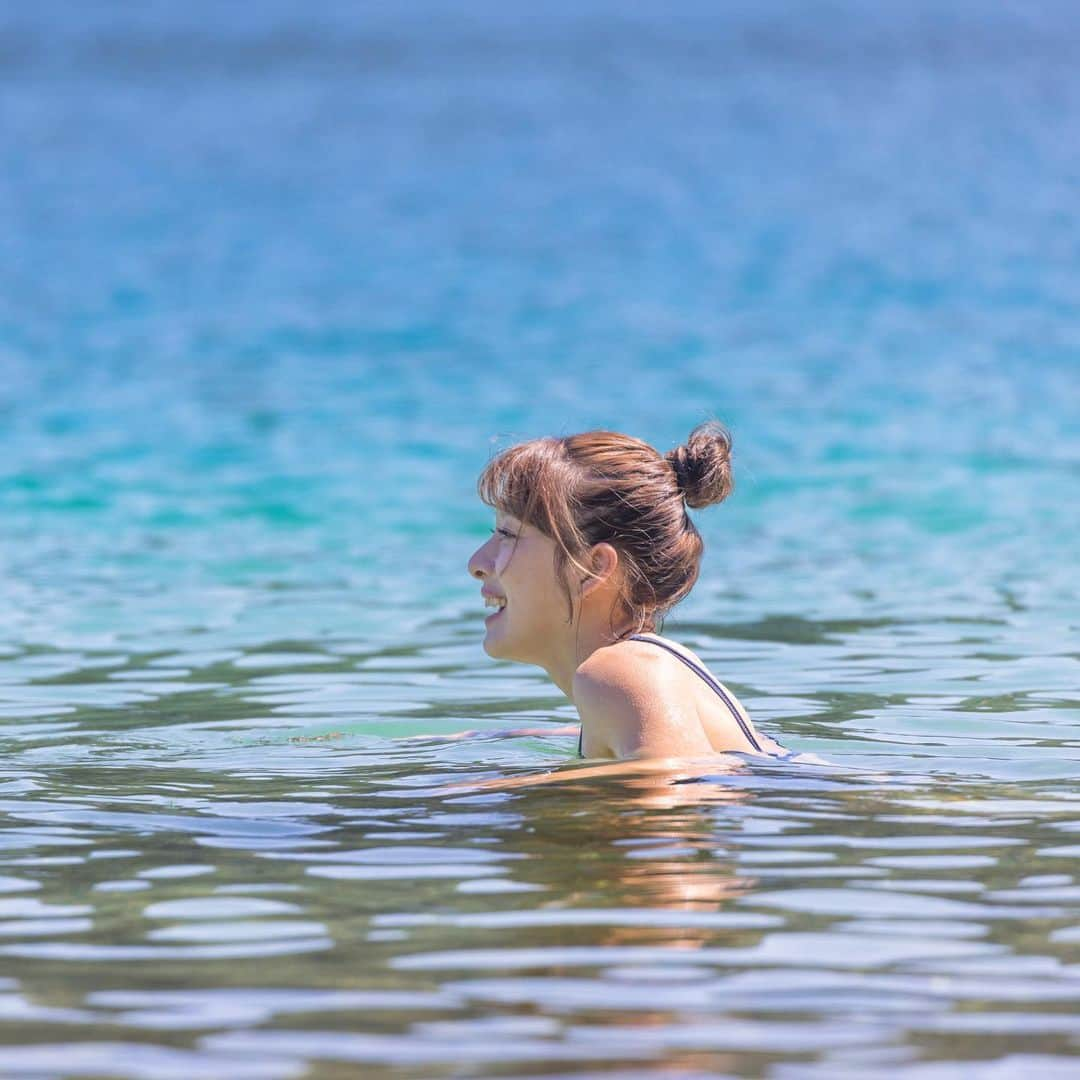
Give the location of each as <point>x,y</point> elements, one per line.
<point>523,575</point>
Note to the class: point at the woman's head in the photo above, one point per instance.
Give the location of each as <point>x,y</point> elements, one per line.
<point>604,488</point>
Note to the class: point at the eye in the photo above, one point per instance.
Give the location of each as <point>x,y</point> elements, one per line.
<point>505,532</point>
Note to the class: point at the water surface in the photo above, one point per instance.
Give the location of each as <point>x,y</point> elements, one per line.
<point>271,291</point>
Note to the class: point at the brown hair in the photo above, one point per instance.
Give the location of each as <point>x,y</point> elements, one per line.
<point>604,487</point>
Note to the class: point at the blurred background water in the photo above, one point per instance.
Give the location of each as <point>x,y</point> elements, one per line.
<point>274,284</point>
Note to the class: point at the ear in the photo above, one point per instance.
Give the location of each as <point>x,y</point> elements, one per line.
<point>604,561</point>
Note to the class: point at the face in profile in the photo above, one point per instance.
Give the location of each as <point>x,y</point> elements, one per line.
<point>516,568</point>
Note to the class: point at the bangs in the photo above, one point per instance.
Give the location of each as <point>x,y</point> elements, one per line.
<point>518,480</point>
<point>535,483</point>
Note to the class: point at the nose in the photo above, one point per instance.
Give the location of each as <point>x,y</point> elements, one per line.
<point>480,563</point>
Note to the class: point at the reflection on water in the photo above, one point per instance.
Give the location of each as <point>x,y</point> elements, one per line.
<point>213,889</point>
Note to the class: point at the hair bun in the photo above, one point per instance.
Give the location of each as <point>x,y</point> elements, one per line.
<point>703,465</point>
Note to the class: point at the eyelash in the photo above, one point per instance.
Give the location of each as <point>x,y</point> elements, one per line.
<point>505,532</point>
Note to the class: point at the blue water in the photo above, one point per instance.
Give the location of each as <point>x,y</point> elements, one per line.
<point>273,287</point>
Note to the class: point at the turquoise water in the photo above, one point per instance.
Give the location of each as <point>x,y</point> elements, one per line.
<point>273,290</point>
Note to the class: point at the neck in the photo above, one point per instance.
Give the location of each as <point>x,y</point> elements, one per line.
<point>589,634</point>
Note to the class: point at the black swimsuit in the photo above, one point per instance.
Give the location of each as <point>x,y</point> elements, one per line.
<point>695,667</point>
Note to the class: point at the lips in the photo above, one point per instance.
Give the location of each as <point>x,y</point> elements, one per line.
<point>495,601</point>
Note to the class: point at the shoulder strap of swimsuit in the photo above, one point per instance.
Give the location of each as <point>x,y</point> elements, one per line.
<point>711,682</point>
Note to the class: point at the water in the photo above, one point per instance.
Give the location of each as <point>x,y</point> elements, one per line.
<point>273,288</point>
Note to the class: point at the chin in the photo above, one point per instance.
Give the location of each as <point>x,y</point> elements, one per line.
<point>492,648</point>
<point>500,650</point>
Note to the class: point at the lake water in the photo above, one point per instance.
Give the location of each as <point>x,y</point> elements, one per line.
<point>275,282</point>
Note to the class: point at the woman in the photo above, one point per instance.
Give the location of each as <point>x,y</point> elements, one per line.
<point>592,546</point>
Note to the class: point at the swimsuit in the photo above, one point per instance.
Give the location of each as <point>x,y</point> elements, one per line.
<point>695,667</point>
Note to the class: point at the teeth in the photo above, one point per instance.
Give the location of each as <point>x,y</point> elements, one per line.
<point>493,601</point>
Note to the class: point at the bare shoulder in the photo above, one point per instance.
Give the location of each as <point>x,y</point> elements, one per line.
<point>623,711</point>
<point>627,669</point>
<point>729,727</point>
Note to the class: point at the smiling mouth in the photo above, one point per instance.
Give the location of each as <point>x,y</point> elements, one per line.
<point>497,602</point>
